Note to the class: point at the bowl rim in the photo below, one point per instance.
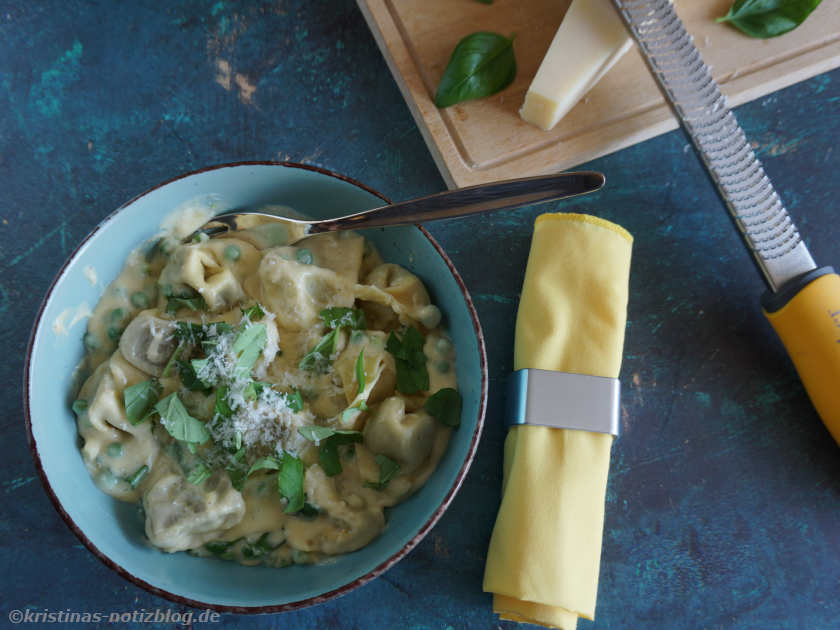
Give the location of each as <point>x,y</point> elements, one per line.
<point>310,601</point>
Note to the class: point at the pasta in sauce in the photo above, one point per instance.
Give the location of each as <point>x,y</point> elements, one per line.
<point>265,404</point>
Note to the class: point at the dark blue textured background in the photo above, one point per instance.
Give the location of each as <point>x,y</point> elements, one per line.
<point>723,506</point>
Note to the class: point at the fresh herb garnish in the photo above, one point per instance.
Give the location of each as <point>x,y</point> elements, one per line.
<point>218,547</point>
<point>412,374</point>
<point>337,316</point>
<point>140,399</point>
<point>329,440</point>
<point>248,347</point>
<point>254,389</point>
<point>768,18</point>
<point>135,479</point>
<point>309,510</point>
<point>253,313</point>
<point>199,473</point>
<point>360,372</point>
<point>187,373</point>
<point>445,405</point>
<point>265,463</point>
<point>172,359</point>
<point>388,469</point>
<point>318,359</point>
<point>481,64</point>
<point>192,301</point>
<point>180,424</point>
<point>290,483</point>
<point>294,401</point>
<point>221,407</point>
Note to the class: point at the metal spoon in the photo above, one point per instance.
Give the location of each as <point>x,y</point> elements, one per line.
<point>503,195</point>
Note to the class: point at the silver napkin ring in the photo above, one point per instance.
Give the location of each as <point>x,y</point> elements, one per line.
<point>564,401</point>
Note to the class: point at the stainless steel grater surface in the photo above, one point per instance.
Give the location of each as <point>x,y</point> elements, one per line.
<point>697,101</point>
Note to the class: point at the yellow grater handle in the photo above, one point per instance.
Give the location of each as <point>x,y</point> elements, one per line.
<point>809,326</point>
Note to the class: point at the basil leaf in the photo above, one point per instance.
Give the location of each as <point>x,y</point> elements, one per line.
<point>135,479</point>
<point>248,346</point>
<point>172,359</point>
<point>290,482</point>
<point>254,389</point>
<point>187,374</point>
<point>139,400</point>
<point>294,401</point>
<point>329,440</point>
<point>199,473</point>
<point>360,372</point>
<point>238,474</point>
<point>222,408</point>
<point>264,463</point>
<point>481,64</point>
<point>412,374</point>
<point>388,469</point>
<point>189,332</point>
<point>218,547</point>
<point>180,424</point>
<point>338,316</point>
<point>309,510</point>
<point>445,405</point>
<point>175,304</point>
<point>768,18</point>
<point>318,359</point>
<point>253,313</point>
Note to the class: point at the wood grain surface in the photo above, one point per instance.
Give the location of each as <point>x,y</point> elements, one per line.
<point>485,140</point>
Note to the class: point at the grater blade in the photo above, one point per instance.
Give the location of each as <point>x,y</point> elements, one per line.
<point>699,104</point>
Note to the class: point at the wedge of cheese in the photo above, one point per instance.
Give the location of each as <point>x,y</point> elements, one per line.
<point>590,40</point>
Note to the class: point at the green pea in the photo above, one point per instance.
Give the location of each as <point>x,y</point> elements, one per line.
<point>357,336</point>
<point>139,300</point>
<point>116,315</point>
<point>443,366</point>
<point>107,480</point>
<point>301,557</point>
<point>232,252</point>
<point>444,345</point>
<point>91,341</point>
<point>304,256</point>
<point>115,449</point>
<point>114,333</point>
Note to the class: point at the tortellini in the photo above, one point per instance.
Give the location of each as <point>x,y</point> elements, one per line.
<point>251,394</point>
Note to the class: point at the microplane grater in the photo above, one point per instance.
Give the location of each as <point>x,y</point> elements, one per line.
<point>697,101</point>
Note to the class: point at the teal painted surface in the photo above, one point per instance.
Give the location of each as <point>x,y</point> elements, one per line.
<point>723,505</point>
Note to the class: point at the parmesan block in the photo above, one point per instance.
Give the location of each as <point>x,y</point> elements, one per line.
<point>590,40</point>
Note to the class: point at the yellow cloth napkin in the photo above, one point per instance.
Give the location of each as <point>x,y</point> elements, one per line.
<point>545,551</point>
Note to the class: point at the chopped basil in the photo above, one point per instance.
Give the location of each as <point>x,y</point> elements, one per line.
<point>180,424</point>
<point>248,346</point>
<point>218,547</point>
<point>80,406</point>
<point>264,463</point>
<point>199,473</point>
<point>135,479</point>
<point>290,483</point>
<point>318,359</point>
<point>187,373</point>
<point>360,372</point>
<point>294,401</point>
<point>482,64</point>
<point>238,474</point>
<point>412,374</point>
<point>329,440</point>
<point>140,399</point>
<point>254,389</point>
<point>189,332</point>
<point>222,408</point>
<point>445,405</point>
<point>254,312</point>
<point>172,359</point>
<point>388,469</point>
<point>309,510</point>
<point>337,316</point>
<point>188,298</point>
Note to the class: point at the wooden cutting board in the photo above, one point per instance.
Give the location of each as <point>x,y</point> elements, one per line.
<point>482,141</point>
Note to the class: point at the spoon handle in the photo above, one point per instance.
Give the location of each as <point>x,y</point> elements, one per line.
<point>503,195</point>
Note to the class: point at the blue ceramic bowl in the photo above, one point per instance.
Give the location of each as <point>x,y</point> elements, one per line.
<point>113,530</point>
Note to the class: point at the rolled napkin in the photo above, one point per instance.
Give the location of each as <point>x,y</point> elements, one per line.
<point>545,551</point>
